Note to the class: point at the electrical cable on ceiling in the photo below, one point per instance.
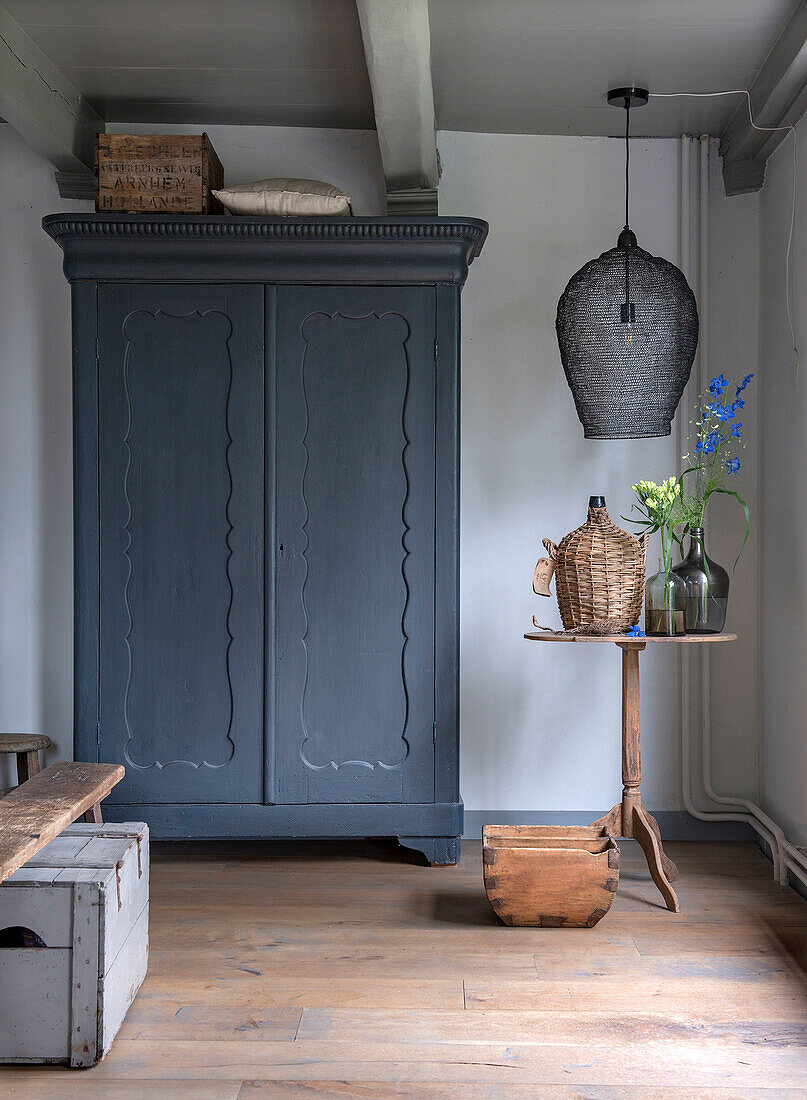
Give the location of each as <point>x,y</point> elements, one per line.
<point>768,129</point>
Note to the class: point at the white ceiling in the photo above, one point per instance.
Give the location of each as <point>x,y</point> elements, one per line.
<point>498,66</point>
<point>544,66</point>
<point>273,62</point>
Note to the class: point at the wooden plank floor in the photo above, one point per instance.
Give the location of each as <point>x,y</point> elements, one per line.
<point>349,970</point>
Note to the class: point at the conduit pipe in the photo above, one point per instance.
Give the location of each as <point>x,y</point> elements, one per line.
<point>703,308</point>
<point>749,818</point>
<point>786,856</point>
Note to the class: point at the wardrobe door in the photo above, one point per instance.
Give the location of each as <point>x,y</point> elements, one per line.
<point>180,385</point>
<point>354,667</point>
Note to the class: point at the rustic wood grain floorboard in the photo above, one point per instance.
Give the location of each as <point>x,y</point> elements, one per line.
<point>66,1089</point>
<point>380,1090</point>
<point>259,990</point>
<point>351,970</point>
<point>714,968</point>
<point>304,965</point>
<point>677,998</point>
<point>66,1084</point>
<point>688,1062</point>
<point>150,1021</point>
<point>539,1028</point>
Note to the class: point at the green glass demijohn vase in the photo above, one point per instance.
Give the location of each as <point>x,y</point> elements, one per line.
<point>664,603</point>
<point>707,588</point>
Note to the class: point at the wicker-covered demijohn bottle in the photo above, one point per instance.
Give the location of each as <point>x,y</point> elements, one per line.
<point>599,573</point>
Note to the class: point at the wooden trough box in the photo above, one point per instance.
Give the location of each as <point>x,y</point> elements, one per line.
<point>550,876</point>
<point>73,944</point>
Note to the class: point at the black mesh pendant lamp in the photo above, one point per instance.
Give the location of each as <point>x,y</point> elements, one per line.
<point>627,329</point>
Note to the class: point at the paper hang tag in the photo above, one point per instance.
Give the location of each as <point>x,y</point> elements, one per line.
<point>542,577</point>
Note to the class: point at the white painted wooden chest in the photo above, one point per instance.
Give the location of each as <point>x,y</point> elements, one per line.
<point>75,919</point>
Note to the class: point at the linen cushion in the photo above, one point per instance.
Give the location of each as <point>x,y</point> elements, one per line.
<point>284,198</point>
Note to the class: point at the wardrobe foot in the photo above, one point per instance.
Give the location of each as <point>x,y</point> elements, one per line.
<point>440,851</point>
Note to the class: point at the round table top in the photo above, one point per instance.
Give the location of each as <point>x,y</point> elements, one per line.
<point>23,742</point>
<point>624,639</point>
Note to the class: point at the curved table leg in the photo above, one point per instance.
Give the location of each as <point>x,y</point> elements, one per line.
<point>670,869</point>
<point>643,832</point>
<point>612,821</point>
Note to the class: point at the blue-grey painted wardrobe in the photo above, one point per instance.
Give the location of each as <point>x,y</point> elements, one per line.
<point>266,521</point>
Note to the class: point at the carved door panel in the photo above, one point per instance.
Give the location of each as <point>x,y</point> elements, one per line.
<point>181,403</point>
<point>354,661</point>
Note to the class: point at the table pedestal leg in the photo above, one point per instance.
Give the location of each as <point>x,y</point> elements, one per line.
<point>629,818</point>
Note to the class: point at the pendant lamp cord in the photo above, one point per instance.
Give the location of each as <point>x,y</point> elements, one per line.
<point>627,307</point>
<point>627,159</point>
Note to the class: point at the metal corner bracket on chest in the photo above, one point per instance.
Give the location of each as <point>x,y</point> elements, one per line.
<point>266,521</point>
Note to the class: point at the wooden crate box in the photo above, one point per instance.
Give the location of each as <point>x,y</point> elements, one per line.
<point>73,944</point>
<point>156,174</point>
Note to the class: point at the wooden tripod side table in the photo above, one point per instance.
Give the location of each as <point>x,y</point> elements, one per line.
<point>630,818</point>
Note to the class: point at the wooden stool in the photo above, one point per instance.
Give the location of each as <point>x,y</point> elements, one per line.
<point>26,747</point>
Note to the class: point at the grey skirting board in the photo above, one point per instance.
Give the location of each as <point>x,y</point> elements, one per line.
<point>674,824</point>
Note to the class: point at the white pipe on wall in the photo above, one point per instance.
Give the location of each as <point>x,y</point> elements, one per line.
<point>703,258</point>
<point>703,656</point>
<point>786,856</point>
<point>763,823</point>
<point>702,366</point>
<point>686,725</point>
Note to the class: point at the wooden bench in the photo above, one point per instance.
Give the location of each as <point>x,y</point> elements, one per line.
<point>38,810</point>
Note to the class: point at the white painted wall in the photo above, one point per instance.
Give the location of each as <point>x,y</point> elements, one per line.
<point>783,585</point>
<point>36,526</point>
<point>349,159</point>
<point>540,724</point>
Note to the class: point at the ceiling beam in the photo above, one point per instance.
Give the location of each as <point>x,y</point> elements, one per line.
<point>778,98</point>
<point>42,105</point>
<point>397,45</point>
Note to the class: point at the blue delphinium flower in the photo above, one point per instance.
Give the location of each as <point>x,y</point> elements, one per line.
<point>709,444</point>
<point>715,438</point>
<point>636,632</point>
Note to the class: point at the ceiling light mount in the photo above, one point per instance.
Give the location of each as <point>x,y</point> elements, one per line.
<point>628,97</point>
